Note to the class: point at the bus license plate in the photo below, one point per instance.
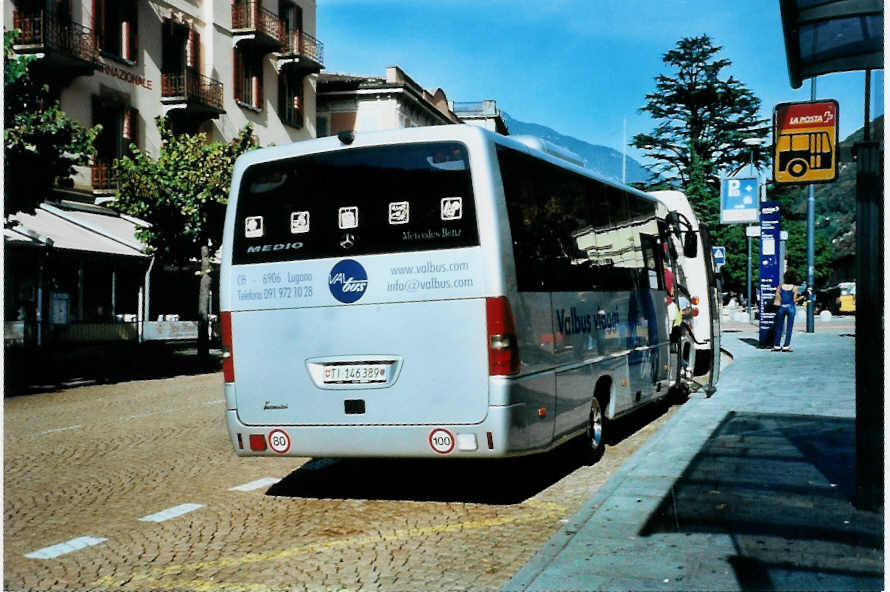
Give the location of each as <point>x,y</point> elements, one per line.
<point>355,373</point>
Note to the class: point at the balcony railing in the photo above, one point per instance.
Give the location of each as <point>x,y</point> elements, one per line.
<point>192,86</point>
<point>305,45</point>
<point>68,38</point>
<point>104,178</point>
<point>251,16</point>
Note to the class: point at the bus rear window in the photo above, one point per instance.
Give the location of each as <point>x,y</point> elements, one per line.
<point>361,201</point>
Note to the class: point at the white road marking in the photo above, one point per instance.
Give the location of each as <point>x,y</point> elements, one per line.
<point>54,430</point>
<point>214,402</point>
<point>66,547</point>
<point>264,482</point>
<point>169,513</point>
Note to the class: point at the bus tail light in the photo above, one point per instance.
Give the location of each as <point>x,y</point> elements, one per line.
<point>503,350</point>
<point>695,311</point>
<point>695,300</point>
<point>228,363</point>
<point>257,442</point>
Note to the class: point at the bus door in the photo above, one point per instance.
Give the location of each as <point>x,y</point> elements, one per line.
<point>714,294</point>
<point>655,310</point>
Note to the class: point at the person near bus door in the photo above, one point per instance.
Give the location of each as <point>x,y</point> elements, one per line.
<point>786,299</point>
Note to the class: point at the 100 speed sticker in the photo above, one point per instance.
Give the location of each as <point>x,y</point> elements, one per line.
<point>441,441</point>
<point>279,441</point>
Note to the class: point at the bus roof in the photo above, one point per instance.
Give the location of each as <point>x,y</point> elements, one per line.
<point>459,132</point>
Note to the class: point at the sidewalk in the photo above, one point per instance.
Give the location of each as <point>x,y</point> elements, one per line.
<point>746,490</point>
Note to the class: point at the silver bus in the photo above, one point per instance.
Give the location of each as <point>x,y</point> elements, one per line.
<point>437,292</point>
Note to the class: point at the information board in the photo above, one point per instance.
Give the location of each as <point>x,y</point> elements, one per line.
<point>770,255</point>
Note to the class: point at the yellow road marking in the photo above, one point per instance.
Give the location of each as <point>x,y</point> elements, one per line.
<point>537,510</point>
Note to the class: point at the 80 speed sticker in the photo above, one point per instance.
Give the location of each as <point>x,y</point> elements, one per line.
<point>279,441</point>
<point>442,441</point>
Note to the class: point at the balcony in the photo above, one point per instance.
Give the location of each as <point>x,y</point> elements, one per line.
<point>103,179</point>
<point>192,95</point>
<point>303,51</point>
<point>67,49</point>
<point>253,23</point>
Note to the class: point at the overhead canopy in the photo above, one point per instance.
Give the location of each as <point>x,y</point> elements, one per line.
<point>76,227</point>
<point>823,36</point>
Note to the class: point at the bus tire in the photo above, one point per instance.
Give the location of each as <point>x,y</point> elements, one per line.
<point>594,439</point>
<point>797,168</point>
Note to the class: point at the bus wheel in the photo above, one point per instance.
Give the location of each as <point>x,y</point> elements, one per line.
<point>797,168</point>
<point>595,435</point>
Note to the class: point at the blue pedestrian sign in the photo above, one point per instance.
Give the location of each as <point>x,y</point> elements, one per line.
<point>719,255</point>
<point>739,200</point>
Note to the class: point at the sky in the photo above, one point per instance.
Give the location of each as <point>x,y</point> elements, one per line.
<point>581,67</point>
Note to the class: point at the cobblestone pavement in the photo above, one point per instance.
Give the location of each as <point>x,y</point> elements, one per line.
<point>92,461</point>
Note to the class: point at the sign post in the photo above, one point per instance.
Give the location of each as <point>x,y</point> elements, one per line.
<point>719,256</point>
<point>739,204</point>
<point>770,235</point>
<point>805,142</point>
<point>739,200</point>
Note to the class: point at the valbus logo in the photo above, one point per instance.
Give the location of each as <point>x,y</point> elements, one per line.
<point>348,281</point>
<point>805,142</point>
<point>349,284</point>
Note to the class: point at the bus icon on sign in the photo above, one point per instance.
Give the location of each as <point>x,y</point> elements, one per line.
<point>798,153</point>
<point>805,142</point>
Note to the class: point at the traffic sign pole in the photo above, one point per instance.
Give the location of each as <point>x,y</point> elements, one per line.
<point>748,283</point>
<point>811,225</point>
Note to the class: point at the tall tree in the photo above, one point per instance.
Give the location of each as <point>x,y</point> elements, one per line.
<point>42,145</point>
<point>702,117</point>
<point>699,113</point>
<point>182,193</point>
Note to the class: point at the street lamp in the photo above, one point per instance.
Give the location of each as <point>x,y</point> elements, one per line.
<point>752,143</point>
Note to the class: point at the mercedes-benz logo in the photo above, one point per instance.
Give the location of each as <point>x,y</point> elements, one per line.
<point>348,241</point>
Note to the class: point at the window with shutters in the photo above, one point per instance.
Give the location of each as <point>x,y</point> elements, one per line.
<point>290,98</point>
<point>248,77</point>
<point>180,60</point>
<point>114,22</point>
<point>120,130</point>
<point>292,23</point>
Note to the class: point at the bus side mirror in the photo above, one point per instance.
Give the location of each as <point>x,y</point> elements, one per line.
<point>673,221</point>
<point>690,245</point>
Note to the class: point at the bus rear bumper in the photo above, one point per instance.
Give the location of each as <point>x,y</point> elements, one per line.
<point>490,438</point>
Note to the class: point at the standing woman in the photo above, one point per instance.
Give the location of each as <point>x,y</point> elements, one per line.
<point>786,299</point>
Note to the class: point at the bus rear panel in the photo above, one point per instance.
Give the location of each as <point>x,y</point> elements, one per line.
<point>356,292</point>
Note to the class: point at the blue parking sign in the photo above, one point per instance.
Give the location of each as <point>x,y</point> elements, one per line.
<point>739,200</point>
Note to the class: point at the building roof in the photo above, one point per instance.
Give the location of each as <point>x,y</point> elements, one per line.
<point>396,78</point>
<point>76,227</point>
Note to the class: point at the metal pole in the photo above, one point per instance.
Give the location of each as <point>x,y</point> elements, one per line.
<point>748,282</point>
<point>869,323</point>
<point>811,225</point>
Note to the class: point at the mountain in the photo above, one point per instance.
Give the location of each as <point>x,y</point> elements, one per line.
<point>836,202</point>
<point>602,159</point>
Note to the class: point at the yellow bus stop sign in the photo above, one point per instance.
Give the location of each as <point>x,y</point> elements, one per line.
<point>805,142</point>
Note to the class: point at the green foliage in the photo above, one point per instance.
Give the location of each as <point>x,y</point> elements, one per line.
<point>699,115</point>
<point>182,193</point>
<point>701,122</point>
<point>42,145</point>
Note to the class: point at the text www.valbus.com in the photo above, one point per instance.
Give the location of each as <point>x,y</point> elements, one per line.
<point>430,267</point>
<point>434,283</point>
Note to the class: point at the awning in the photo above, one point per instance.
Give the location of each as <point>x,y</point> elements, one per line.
<point>77,227</point>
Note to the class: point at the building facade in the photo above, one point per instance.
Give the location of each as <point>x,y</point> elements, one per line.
<point>349,102</point>
<point>211,66</point>
<point>76,272</point>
